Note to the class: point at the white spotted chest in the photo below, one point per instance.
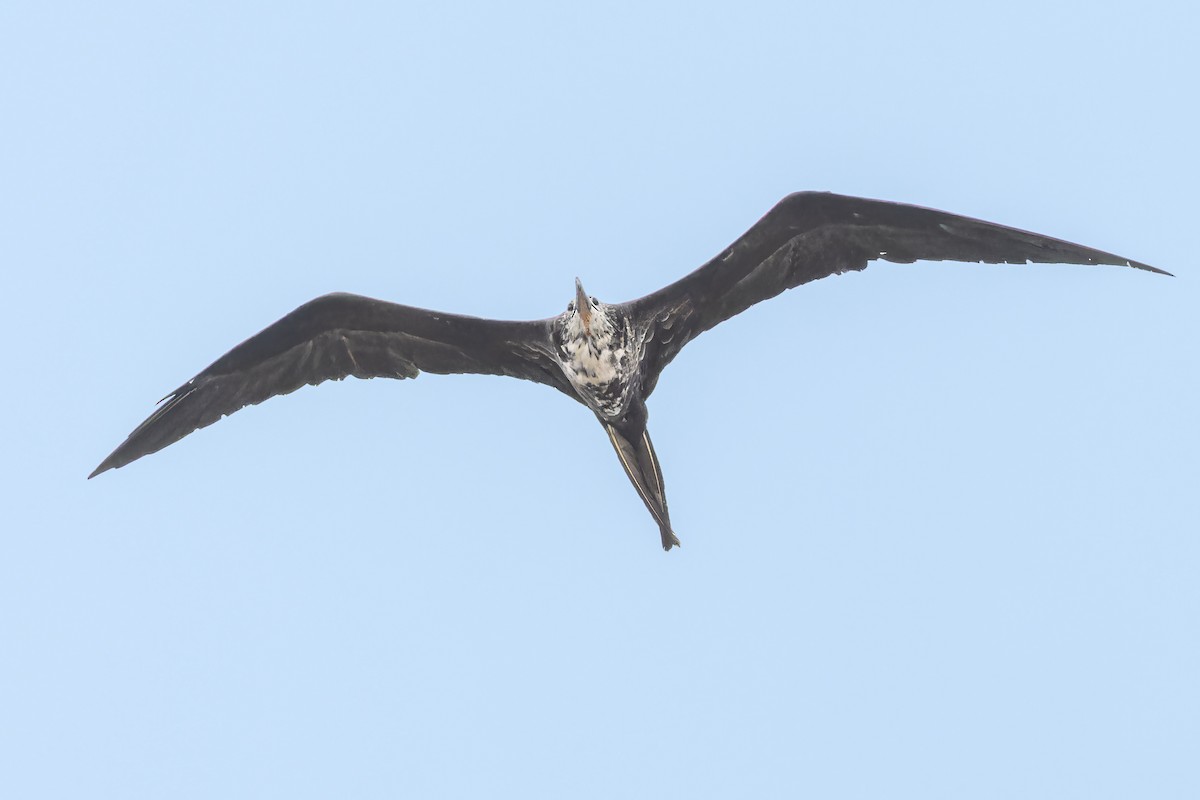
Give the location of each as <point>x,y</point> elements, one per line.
<point>596,365</point>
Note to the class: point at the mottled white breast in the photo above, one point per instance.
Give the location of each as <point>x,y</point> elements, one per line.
<point>591,363</point>
<point>599,366</point>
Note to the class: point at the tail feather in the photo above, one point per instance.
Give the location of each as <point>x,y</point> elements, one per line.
<point>641,465</point>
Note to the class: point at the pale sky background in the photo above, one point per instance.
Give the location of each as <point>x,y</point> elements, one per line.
<point>939,521</point>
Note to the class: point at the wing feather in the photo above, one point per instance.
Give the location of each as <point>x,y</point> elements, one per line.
<point>334,337</point>
<point>812,235</point>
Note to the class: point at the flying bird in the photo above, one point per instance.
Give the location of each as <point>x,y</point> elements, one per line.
<point>606,356</point>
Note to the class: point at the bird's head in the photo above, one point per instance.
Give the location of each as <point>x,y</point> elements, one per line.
<point>587,316</point>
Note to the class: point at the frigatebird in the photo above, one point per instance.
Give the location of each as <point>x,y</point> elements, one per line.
<point>606,356</point>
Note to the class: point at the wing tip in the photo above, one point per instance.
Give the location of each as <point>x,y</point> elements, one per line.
<point>1148,268</point>
<point>105,466</point>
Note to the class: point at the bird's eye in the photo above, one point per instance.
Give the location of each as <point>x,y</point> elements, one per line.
<point>571,306</point>
<point>595,302</point>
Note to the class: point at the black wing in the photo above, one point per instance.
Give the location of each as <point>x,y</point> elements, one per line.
<point>336,336</point>
<point>812,235</point>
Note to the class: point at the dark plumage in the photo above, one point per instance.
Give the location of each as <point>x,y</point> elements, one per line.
<point>608,357</point>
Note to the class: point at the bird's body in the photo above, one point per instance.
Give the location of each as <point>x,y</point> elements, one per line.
<point>599,360</point>
<point>605,356</point>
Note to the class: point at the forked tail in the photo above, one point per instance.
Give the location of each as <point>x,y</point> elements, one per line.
<point>641,465</point>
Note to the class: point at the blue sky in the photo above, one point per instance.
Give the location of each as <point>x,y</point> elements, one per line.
<point>938,520</point>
